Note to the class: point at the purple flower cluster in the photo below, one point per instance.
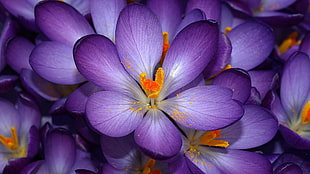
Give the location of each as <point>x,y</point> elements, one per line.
<point>154,86</point>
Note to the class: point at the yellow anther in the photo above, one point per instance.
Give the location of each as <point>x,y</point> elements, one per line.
<point>305,113</point>
<point>148,167</point>
<point>289,42</point>
<point>166,46</point>
<point>227,30</point>
<point>209,139</point>
<point>150,87</point>
<point>10,142</point>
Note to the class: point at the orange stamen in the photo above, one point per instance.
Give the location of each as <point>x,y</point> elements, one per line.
<point>305,113</point>
<point>289,42</point>
<point>149,165</point>
<point>209,139</point>
<point>150,87</point>
<point>225,68</point>
<point>10,142</point>
<point>227,30</point>
<point>166,46</point>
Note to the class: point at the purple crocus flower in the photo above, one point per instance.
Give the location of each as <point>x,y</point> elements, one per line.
<point>218,151</point>
<point>61,155</point>
<point>19,140</point>
<point>293,106</point>
<point>133,101</point>
<point>124,156</point>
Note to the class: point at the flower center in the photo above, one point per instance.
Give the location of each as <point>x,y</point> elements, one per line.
<point>289,42</point>
<point>305,114</point>
<point>148,167</point>
<point>209,139</point>
<point>150,87</point>
<point>10,142</point>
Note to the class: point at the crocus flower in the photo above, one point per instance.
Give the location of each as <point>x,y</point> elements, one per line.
<point>133,101</point>
<point>19,140</point>
<point>124,156</point>
<point>293,106</point>
<point>61,155</point>
<point>218,151</point>
<point>293,162</point>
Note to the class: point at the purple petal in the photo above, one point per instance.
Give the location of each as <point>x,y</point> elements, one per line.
<point>8,30</point>
<point>76,102</point>
<point>254,98</point>
<point>238,81</point>
<point>221,58</point>
<point>288,167</point>
<point>300,159</point>
<point>114,114</point>
<point>19,8</point>
<point>212,9</point>
<point>34,166</point>
<point>38,86</point>
<point>191,17</point>
<point>58,107</point>
<point>293,139</point>
<point>97,59</point>
<point>203,108</point>
<point>273,102</point>
<point>295,82</point>
<point>139,40</point>
<point>251,42</point>
<point>7,83</point>
<point>157,136</point>
<point>305,44</point>
<point>279,19</point>
<point>9,117</point>
<point>263,81</point>
<point>275,4</point>
<point>105,15</point>
<point>59,144</point>
<point>255,128</point>
<point>33,142</point>
<point>179,166</point>
<point>17,53</point>
<point>217,160</point>
<point>54,62</point>
<point>169,13</point>
<point>61,22</point>
<point>16,165</point>
<point>107,168</point>
<point>188,55</point>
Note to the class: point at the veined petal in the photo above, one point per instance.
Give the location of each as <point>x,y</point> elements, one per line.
<point>114,114</point>
<point>255,128</point>
<point>218,160</point>
<point>238,81</point>
<point>97,59</point>
<point>105,14</point>
<point>275,4</point>
<point>61,22</point>
<point>17,53</point>
<point>295,83</point>
<point>211,8</point>
<point>9,117</point>
<point>203,108</point>
<point>251,42</point>
<point>157,136</point>
<point>263,80</point>
<point>54,62</point>
<point>293,139</point>
<point>139,40</point>
<point>188,55</point>
<point>59,144</point>
<point>169,13</point>
<point>273,102</point>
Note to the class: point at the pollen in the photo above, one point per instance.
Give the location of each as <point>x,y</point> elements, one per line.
<point>289,42</point>
<point>150,87</point>
<point>227,30</point>
<point>305,113</point>
<point>148,167</point>
<point>10,142</point>
<point>209,139</point>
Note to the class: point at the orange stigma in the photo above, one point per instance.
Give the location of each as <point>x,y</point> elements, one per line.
<point>227,30</point>
<point>150,87</point>
<point>209,139</point>
<point>289,42</point>
<point>305,113</point>
<point>10,142</point>
<point>149,165</point>
<point>166,46</point>
<point>225,68</point>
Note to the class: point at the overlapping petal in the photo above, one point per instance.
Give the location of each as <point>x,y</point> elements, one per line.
<point>252,42</point>
<point>203,108</point>
<point>212,9</point>
<point>189,54</point>
<point>114,114</point>
<point>97,59</point>
<point>275,4</point>
<point>157,136</point>
<point>61,22</point>
<point>54,62</point>
<point>9,117</point>
<point>105,14</point>
<point>139,40</point>
<point>255,128</point>
<point>295,83</point>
